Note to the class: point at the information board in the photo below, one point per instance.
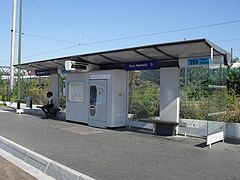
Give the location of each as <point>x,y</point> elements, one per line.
<point>196,62</point>
<point>75,91</point>
<point>199,61</point>
<point>100,76</point>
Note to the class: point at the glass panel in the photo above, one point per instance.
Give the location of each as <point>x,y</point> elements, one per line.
<point>194,93</point>
<point>93,98</point>
<point>217,93</point>
<point>233,98</point>
<point>93,94</point>
<point>203,101</point>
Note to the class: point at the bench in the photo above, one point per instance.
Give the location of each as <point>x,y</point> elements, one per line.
<point>53,111</point>
<point>163,128</point>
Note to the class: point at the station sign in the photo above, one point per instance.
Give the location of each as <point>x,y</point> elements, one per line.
<point>143,65</point>
<point>42,72</point>
<point>45,72</point>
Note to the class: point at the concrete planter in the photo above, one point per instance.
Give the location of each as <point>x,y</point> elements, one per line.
<point>233,130</point>
<point>202,128</point>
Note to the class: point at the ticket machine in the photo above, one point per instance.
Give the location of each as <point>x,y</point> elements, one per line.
<point>97,98</point>
<point>98,103</point>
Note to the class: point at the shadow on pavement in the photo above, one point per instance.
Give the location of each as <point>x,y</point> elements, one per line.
<point>232,141</point>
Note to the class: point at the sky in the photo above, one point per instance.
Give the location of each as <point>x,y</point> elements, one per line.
<point>57,28</point>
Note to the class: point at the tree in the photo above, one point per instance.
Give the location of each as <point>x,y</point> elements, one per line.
<point>3,88</point>
<point>233,76</point>
<point>235,60</point>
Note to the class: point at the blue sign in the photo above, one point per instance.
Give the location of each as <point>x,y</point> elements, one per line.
<point>199,61</point>
<point>42,72</point>
<point>143,65</point>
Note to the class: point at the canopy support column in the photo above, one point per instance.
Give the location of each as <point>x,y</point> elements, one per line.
<point>169,100</point>
<point>55,86</point>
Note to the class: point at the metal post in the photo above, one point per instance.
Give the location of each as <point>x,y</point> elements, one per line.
<point>13,34</point>
<point>185,89</point>
<point>212,53</point>
<point>19,51</point>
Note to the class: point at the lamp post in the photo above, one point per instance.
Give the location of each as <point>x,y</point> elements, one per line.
<point>19,52</point>
<point>13,35</point>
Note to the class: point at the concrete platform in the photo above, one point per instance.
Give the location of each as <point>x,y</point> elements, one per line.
<point>121,153</point>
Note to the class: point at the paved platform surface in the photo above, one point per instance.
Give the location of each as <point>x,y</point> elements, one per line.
<point>121,153</point>
<point>9,171</point>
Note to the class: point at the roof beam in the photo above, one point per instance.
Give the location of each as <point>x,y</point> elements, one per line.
<point>113,60</point>
<point>56,62</point>
<point>36,67</point>
<point>144,55</point>
<point>165,53</point>
<point>41,65</point>
<point>81,59</point>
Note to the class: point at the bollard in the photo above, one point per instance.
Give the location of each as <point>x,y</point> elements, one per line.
<point>18,104</point>
<point>29,102</point>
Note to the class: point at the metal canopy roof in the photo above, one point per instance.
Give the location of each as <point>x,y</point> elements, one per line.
<point>166,54</point>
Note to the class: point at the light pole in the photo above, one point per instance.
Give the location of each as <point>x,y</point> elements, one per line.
<point>13,38</point>
<point>19,52</point>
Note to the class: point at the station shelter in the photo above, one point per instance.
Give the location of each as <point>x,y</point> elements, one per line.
<point>97,83</point>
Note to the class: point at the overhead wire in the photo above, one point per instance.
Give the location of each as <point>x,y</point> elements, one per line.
<point>71,42</point>
<point>91,45</point>
<point>47,38</point>
<point>56,50</point>
<point>118,39</point>
<point>226,40</point>
<point>65,23</point>
<point>51,14</point>
<point>166,32</point>
<point>47,52</point>
<point>61,49</point>
<point>60,40</point>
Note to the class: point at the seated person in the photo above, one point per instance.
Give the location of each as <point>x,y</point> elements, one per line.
<point>46,108</point>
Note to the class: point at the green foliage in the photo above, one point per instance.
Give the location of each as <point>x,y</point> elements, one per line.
<point>206,96</point>
<point>3,89</point>
<point>146,100</point>
<point>151,76</point>
<point>144,94</point>
<point>233,79</point>
<point>193,110</point>
<point>235,59</point>
<point>194,93</point>
<point>37,88</point>
<point>233,107</point>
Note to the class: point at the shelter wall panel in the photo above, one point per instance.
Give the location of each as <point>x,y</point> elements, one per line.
<point>169,94</point>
